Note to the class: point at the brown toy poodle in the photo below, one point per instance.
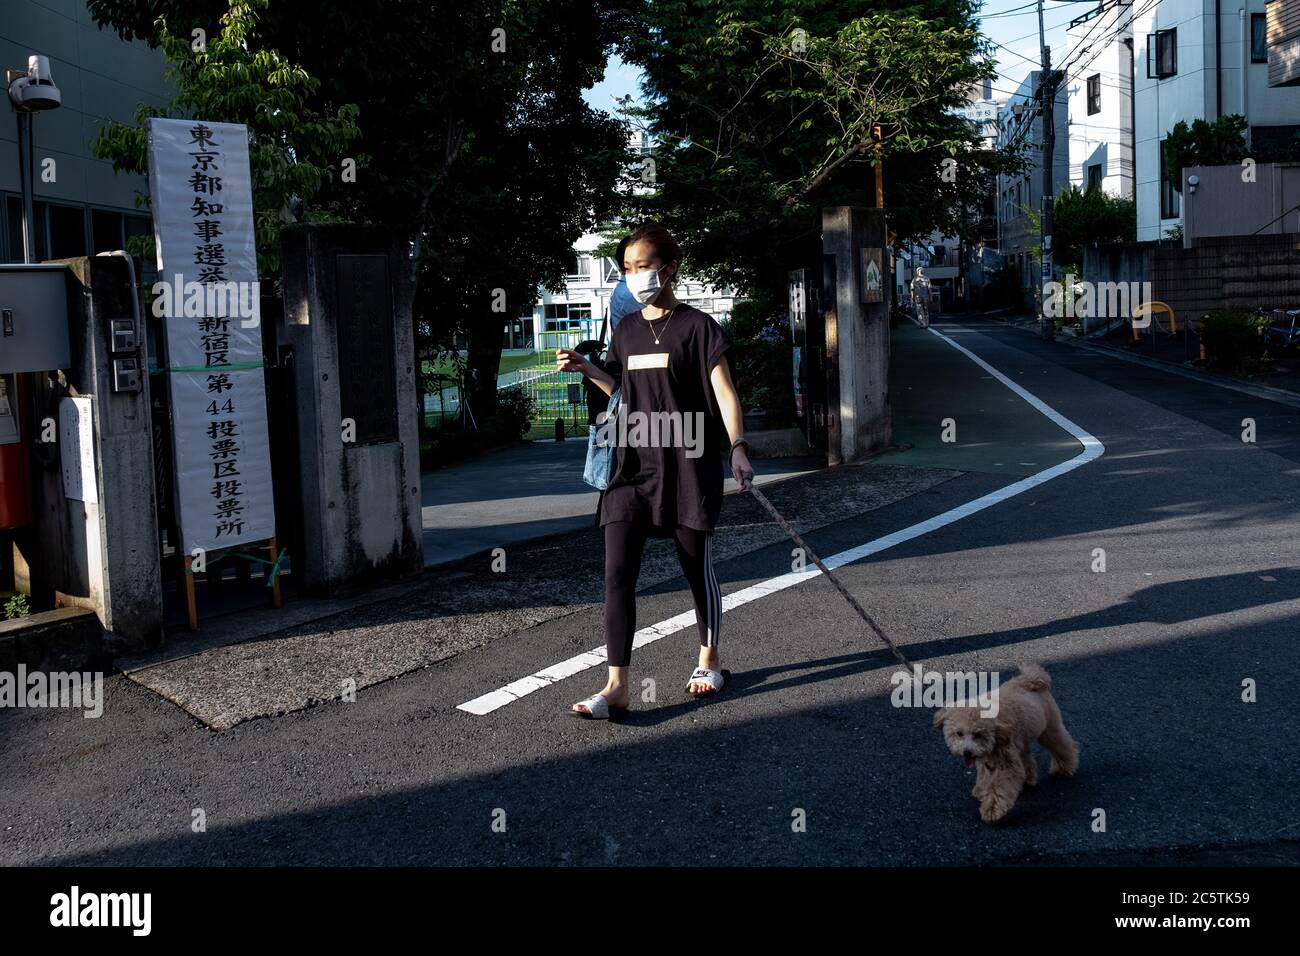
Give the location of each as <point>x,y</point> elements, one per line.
<point>1000,747</point>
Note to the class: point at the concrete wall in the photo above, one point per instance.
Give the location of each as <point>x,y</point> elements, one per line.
<point>67,639</point>
<point>1224,204</point>
<point>100,555</point>
<point>1128,262</point>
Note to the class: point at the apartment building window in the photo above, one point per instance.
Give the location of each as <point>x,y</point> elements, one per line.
<point>1259,38</point>
<point>555,317</point>
<point>1094,175</point>
<point>518,334</point>
<point>1094,94</point>
<point>1162,54</point>
<point>580,266</point>
<point>1171,205</point>
<point>566,316</point>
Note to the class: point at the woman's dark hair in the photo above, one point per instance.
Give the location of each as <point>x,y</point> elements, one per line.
<point>665,246</point>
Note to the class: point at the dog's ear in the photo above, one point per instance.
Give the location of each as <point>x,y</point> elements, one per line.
<point>940,716</point>
<point>1002,732</point>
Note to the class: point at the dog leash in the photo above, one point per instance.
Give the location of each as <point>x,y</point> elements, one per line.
<point>794,535</point>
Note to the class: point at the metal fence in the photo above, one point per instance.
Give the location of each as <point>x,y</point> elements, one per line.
<point>553,395</point>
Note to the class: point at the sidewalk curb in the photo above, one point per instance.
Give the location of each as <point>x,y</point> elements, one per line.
<point>1265,392</point>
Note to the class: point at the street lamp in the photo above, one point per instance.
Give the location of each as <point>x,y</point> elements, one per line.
<point>30,93</point>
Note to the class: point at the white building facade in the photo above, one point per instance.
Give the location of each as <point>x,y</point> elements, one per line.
<point>1099,87</point>
<point>981,109</point>
<point>1192,64</point>
<point>1020,122</point>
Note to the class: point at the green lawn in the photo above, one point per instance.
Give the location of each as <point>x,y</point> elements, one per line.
<point>551,398</point>
<point>509,363</point>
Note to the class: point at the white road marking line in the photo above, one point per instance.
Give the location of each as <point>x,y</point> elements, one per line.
<point>1092,449</point>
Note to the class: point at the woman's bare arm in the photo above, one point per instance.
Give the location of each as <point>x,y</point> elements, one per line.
<point>728,401</point>
<point>733,417</point>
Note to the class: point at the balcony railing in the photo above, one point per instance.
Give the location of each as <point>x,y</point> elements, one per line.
<point>1283,19</point>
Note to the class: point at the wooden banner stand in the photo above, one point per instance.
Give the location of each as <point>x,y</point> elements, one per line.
<point>191,605</point>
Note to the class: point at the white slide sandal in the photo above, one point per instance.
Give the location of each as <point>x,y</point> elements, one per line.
<point>715,680</point>
<point>600,708</point>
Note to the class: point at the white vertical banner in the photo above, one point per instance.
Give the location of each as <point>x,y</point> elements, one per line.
<point>77,449</point>
<point>202,197</point>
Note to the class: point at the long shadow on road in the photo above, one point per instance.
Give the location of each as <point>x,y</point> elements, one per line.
<point>1172,758</point>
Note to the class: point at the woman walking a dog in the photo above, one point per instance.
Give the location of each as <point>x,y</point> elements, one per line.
<point>672,358</point>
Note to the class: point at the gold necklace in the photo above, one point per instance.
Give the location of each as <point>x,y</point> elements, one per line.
<point>665,327</point>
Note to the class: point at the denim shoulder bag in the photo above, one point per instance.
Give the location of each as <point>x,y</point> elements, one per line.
<point>602,454</point>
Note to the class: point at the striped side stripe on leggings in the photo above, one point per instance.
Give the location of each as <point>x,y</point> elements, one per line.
<point>712,592</point>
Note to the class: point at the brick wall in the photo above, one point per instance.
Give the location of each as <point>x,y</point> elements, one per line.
<point>1236,272</point>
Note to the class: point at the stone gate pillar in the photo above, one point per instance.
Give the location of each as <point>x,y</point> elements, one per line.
<point>347,342</point>
<point>856,237</point>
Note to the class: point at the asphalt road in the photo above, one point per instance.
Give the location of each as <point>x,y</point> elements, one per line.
<point>1201,592</point>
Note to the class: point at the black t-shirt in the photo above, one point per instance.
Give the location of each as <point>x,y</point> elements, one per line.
<point>669,466</point>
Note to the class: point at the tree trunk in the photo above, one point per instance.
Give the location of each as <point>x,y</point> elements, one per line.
<point>483,363</point>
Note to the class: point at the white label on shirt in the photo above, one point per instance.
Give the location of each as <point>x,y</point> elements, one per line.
<point>650,360</point>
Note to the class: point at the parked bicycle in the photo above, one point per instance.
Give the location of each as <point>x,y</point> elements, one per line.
<point>1283,329</point>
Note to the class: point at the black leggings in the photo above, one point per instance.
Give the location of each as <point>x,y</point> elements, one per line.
<point>624,545</point>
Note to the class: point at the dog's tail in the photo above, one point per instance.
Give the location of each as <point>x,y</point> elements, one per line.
<point>1035,678</point>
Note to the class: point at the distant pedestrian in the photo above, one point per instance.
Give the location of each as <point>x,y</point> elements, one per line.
<point>921,297</point>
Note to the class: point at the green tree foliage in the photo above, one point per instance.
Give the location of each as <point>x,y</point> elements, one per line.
<point>764,113</point>
<point>762,360</point>
<point>1234,340</point>
<point>1081,218</point>
<point>18,605</point>
<point>1222,142</point>
<point>1219,142</point>
<point>474,138</point>
<point>230,78</point>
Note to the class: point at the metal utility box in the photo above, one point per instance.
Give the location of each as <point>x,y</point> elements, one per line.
<point>34,318</point>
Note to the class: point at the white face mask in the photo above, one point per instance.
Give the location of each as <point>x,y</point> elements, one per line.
<point>645,286</point>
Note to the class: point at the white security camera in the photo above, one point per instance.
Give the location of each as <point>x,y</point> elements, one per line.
<point>35,91</point>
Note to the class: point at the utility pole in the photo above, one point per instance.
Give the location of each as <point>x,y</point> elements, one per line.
<point>879,137</point>
<point>1047,95</point>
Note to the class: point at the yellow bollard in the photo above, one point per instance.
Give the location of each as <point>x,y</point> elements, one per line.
<point>1148,309</point>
